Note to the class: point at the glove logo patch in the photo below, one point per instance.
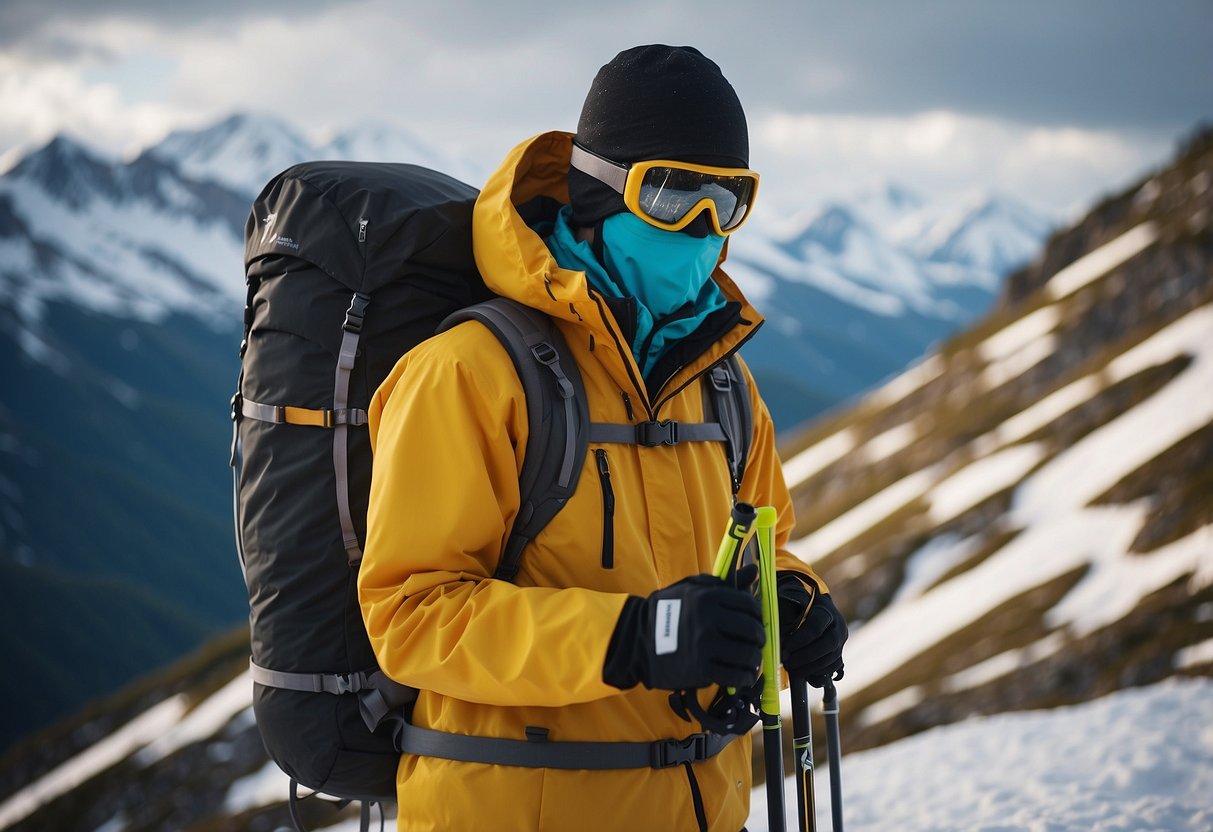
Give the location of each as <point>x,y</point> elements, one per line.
<point>665,637</point>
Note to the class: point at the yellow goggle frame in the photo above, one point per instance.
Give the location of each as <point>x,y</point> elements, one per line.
<point>669,194</point>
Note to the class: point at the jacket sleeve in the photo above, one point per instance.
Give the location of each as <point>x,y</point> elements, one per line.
<point>447,436</point>
<point>763,485</point>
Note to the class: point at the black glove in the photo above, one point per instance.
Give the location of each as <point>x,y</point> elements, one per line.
<point>811,644</point>
<point>698,632</point>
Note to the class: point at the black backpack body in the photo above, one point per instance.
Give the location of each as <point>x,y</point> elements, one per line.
<point>348,266</point>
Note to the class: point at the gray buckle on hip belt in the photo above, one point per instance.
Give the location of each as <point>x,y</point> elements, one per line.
<point>670,753</point>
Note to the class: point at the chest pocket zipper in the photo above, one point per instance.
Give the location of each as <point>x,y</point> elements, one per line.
<point>608,509</point>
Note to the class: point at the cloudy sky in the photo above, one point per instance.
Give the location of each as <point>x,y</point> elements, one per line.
<point>1053,101</point>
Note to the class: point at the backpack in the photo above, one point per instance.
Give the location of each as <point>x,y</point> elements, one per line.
<point>348,266</point>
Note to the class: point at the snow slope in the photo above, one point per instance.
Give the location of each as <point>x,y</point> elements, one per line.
<point>1140,759</point>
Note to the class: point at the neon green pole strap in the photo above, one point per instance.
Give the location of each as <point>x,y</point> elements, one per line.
<point>765,526</point>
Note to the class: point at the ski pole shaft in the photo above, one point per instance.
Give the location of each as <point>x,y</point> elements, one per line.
<point>829,705</point>
<point>802,747</point>
<point>772,728</point>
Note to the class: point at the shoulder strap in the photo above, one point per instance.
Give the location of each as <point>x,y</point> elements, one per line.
<point>556,411</point>
<point>728,395</point>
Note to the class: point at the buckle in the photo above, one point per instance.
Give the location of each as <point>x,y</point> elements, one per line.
<point>356,312</point>
<point>670,753</point>
<point>348,683</point>
<point>720,379</point>
<point>651,434</point>
<point>545,353</point>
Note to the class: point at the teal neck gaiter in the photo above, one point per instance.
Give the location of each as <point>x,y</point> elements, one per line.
<point>668,273</point>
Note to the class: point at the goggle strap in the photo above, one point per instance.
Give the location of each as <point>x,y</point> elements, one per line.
<point>601,169</point>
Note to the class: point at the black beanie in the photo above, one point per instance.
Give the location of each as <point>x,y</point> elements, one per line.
<point>656,102</point>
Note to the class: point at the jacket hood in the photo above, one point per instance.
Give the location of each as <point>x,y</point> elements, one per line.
<point>523,195</point>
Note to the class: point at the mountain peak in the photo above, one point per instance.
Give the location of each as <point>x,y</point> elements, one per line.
<point>240,152</point>
<point>69,171</point>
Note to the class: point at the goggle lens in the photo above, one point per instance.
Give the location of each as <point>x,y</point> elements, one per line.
<point>668,194</point>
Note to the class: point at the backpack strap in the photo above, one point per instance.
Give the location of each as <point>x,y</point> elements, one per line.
<point>556,410</point>
<point>379,697</point>
<point>537,751</point>
<point>726,397</point>
<point>351,333</point>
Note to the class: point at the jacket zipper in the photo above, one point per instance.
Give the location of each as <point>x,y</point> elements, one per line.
<point>637,384</point>
<point>608,509</point>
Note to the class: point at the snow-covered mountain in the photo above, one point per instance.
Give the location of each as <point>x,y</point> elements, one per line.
<point>244,151</point>
<point>1019,522</point>
<point>858,299</point>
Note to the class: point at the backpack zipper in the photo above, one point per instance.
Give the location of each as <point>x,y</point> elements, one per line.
<point>362,224</point>
<point>608,509</point>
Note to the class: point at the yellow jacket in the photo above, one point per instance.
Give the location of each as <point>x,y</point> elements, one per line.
<point>491,658</point>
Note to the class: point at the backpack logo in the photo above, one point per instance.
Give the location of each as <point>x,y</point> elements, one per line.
<point>268,222</point>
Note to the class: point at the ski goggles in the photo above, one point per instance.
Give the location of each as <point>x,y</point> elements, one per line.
<point>669,194</point>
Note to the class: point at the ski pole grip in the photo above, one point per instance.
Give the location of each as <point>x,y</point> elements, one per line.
<point>741,521</point>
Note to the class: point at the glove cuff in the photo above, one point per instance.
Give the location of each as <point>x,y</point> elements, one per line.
<point>623,660</point>
<point>796,592</point>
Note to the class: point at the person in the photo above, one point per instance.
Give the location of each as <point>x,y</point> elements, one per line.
<point>625,257</point>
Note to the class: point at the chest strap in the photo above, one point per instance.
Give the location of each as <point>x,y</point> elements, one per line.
<point>652,434</point>
<point>538,752</point>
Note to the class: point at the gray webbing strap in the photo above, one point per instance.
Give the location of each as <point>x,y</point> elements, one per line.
<point>351,332</point>
<point>335,683</point>
<point>651,434</point>
<point>379,698</point>
<point>599,168</point>
<point>539,752</point>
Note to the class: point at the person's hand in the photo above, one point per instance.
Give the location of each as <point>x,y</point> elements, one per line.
<point>691,634</point>
<point>812,632</point>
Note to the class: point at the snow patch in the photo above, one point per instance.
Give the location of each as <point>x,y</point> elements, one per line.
<point>1137,759</point>
<point>1015,336</point>
<point>1094,265</point>
<point>202,722</point>
<point>1195,656</point>
<point>818,456</point>
<point>910,381</point>
<point>862,517</point>
<point>96,758</point>
<point>890,442</point>
<point>982,479</point>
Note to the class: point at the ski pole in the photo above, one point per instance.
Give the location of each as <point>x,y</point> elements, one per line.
<point>772,728</point>
<point>741,520</point>
<point>802,748</point>
<point>829,705</point>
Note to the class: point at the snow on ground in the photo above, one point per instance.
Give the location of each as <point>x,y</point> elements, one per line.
<point>1094,265</point>
<point>848,526</point>
<point>818,456</point>
<point>1020,334</point>
<point>981,479</point>
<point>1140,759</point>
<point>96,758</point>
<point>204,721</point>
<point>913,379</point>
